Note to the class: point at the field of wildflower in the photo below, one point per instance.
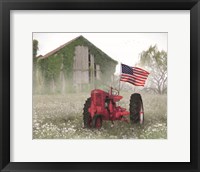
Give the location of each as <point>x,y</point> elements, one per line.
<point>60,117</point>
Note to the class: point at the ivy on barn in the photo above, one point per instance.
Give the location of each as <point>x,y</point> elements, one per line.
<point>50,67</point>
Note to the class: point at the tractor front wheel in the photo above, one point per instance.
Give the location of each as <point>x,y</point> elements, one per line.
<point>97,122</point>
<point>87,119</point>
<point>136,109</point>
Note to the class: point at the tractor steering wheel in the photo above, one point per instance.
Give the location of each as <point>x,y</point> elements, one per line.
<point>115,92</point>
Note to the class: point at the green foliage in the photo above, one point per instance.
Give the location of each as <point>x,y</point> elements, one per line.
<point>35,47</point>
<point>154,58</point>
<point>63,60</point>
<point>156,62</point>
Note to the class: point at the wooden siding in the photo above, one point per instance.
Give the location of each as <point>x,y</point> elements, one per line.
<point>98,72</point>
<point>80,66</point>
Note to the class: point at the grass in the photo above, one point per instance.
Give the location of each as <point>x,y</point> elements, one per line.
<point>60,117</point>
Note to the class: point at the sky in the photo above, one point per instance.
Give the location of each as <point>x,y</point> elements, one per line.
<point>122,47</point>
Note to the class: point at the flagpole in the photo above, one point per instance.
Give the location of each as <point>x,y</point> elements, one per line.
<point>134,85</point>
<point>120,75</point>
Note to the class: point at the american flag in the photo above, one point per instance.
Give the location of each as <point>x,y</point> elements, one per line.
<point>133,75</point>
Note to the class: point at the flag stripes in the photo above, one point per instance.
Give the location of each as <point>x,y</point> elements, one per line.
<point>133,75</point>
<point>141,70</point>
<point>133,80</point>
<point>136,84</point>
<point>140,73</point>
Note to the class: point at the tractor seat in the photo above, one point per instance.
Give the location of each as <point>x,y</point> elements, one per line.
<point>117,98</point>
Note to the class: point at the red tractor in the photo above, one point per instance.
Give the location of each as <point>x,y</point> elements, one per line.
<point>104,106</point>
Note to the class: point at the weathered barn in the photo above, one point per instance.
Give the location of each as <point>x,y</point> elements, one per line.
<point>78,65</point>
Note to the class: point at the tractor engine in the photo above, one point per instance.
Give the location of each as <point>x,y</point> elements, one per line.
<point>105,104</point>
<point>98,104</point>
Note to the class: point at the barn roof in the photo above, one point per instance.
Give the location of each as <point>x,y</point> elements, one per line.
<point>39,56</point>
<point>84,42</point>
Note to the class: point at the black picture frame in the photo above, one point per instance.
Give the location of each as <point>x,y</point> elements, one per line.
<point>7,5</point>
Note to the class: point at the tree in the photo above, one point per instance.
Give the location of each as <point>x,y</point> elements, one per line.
<point>35,78</point>
<point>35,47</point>
<point>156,63</point>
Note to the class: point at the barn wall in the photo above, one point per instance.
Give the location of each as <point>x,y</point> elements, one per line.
<point>69,70</point>
<point>85,71</point>
<point>98,72</point>
<point>62,77</point>
<point>92,79</point>
<point>80,66</point>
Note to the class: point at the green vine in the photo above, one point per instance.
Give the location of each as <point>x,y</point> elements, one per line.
<point>51,66</point>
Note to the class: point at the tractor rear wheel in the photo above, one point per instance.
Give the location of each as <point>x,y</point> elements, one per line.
<point>87,119</point>
<point>136,109</point>
<point>97,122</point>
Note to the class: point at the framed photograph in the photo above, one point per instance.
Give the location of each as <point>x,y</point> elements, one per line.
<point>96,96</point>
<point>94,85</point>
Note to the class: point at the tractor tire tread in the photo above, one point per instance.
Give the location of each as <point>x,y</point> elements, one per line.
<point>86,114</point>
<point>135,106</point>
